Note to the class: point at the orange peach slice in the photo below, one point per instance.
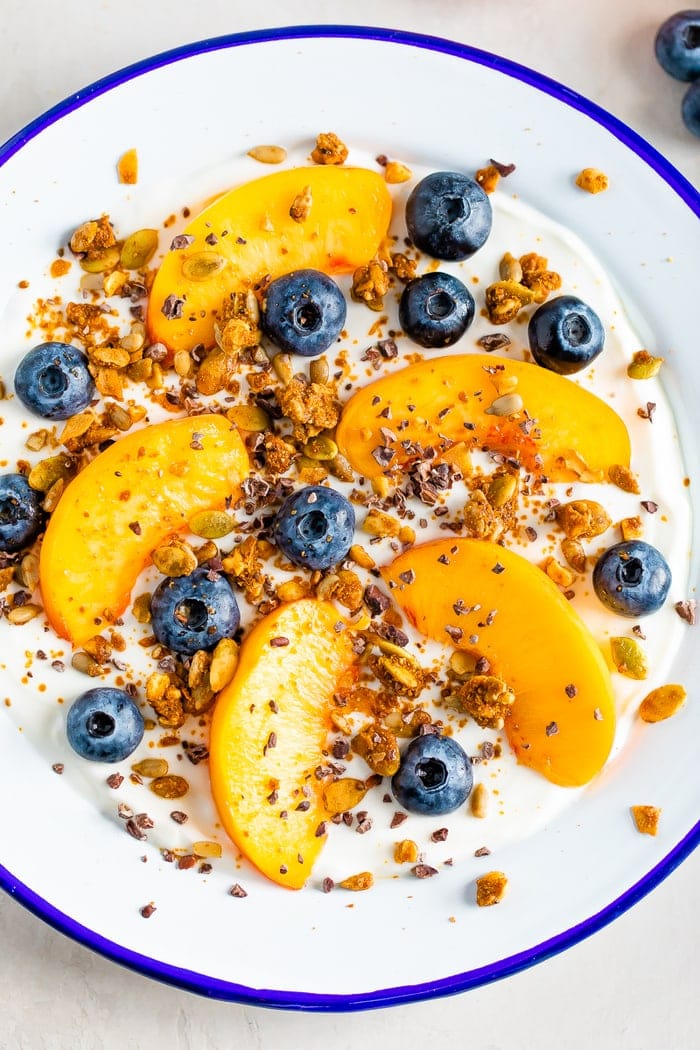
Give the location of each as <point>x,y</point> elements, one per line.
<point>549,423</point>
<point>562,722</point>
<point>268,734</point>
<point>248,234</point>
<point>122,506</point>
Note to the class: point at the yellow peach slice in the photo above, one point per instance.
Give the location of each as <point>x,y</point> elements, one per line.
<point>123,504</point>
<point>549,423</point>
<point>248,234</point>
<point>562,722</point>
<point>268,735</point>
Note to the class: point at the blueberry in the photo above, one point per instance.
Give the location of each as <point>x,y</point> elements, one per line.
<point>304,312</point>
<point>690,108</point>
<point>448,215</point>
<point>565,335</point>
<point>314,527</point>
<point>21,516</point>
<point>632,578</point>
<point>435,775</point>
<point>194,612</point>
<point>677,45</point>
<point>53,381</point>
<point>436,309</point>
<point>104,725</point>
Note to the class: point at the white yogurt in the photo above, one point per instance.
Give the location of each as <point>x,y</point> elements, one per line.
<point>520,801</point>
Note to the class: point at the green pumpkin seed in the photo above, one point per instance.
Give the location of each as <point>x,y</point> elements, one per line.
<point>629,658</point>
<point>138,249</point>
<point>202,265</point>
<point>211,524</point>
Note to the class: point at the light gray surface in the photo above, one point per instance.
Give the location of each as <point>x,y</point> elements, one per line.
<point>633,986</point>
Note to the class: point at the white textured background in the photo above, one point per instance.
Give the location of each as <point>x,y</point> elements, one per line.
<point>632,986</point>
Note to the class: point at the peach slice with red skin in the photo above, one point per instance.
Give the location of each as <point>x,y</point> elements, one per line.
<point>562,722</point>
<point>268,734</point>
<point>560,430</point>
<point>248,234</point>
<point>122,505</point>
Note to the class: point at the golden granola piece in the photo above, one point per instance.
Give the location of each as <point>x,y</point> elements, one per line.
<point>404,268</point>
<point>329,149</point>
<point>244,565</point>
<point>632,528</point>
<point>480,519</point>
<point>370,284</point>
<point>662,703</point>
<point>646,818</point>
<point>128,167</point>
<point>166,704</point>
<point>558,573</point>
<point>364,880</point>
<point>505,299</point>
<point>488,178</point>
<point>279,454</point>
<point>346,588</point>
<point>379,748</point>
<point>592,180</point>
<point>582,519</point>
<point>395,172</point>
<point>491,888</point>
<point>478,801</point>
<point>574,553</point>
<point>93,235</point>
<point>406,851</point>
<point>312,407</point>
<point>342,795</point>
<point>485,698</point>
<point>623,478</point>
<point>300,208</point>
<point>377,523</point>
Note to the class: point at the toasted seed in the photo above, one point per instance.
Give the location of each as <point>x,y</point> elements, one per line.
<point>23,613</point>
<point>623,477</point>
<point>574,553</point>
<point>396,172</point>
<point>478,801</point>
<point>202,265</point>
<point>318,370</point>
<point>36,441</point>
<point>141,608</point>
<point>406,851</point>
<point>461,663</point>
<point>340,468</point>
<point>502,487</point>
<point>268,154</point>
<point>282,364</point>
<point>662,703</point>
<point>249,417</point>
<point>175,559</point>
<point>505,405</point>
<point>101,261</point>
<point>361,557</point>
<point>211,524</point>
<point>321,447</point>
<point>50,501</point>
<point>45,474</point>
<point>223,665</point>
<point>342,795</point>
<point>509,269</point>
<point>151,767</point>
<point>29,572</point>
<point>138,249</point>
<point>629,658</point>
<point>169,786</point>
<point>207,849</point>
<point>644,365</point>
<point>399,672</point>
<point>83,662</point>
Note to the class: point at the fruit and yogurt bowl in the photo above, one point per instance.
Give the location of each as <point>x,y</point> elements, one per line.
<point>337,527</point>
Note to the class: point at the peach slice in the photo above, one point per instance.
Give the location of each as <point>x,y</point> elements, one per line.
<point>268,735</point>
<point>556,427</point>
<point>562,722</point>
<point>248,234</point>
<point>125,503</point>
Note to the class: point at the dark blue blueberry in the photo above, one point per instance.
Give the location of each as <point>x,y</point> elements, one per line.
<point>677,45</point>
<point>314,527</point>
<point>632,578</point>
<point>104,725</point>
<point>53,381</point>
<point>194,612</point>
<point>448,215</point>
<point>565,335</point>
<point>690,108</point>
<point>435,310</point>
<point>435,775</point>
<point>304,312</point>
<point>21,516</point>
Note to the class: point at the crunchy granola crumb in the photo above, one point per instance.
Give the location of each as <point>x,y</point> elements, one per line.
<point>646,819</point>
<point>592,180</point>
<point>329,149</point>
<point>490,888</point>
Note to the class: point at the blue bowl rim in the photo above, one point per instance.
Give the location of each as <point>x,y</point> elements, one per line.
<point>227,990</point>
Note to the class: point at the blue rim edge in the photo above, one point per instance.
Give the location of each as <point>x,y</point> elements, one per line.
<point>227,990</point>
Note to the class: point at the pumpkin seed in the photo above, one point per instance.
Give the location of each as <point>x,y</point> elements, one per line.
<point>175,559</point>
<point>318,370</point>
<point>282,364</point>
<point>224,662</point>
<point>461,663</point>
<point>268,154</point>
<point>629,658</point>
<point>49,471</point>
<point>342,795</point>
<point>502,487</point>
<point>151,767</point>
<point>505,405</point>
<point>84,663</point>
<point>169,786</point>
<point>321,447</point>
<point>142,608</point>
<point>644,365</point>
<point>101,261</point>
<point>29,572</point>
<point>23,613</point>
<point>211,524</point>
<point>478,803</point>
<point>340,468</point>
<point>202,266</point>
<point>207,849</point>
<point>509,269</point>
<point>249,417</point>
<point>138,249</point>
<point>661,703</point>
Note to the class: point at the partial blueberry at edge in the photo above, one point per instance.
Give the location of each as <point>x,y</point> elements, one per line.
<point>677,45</point>
<point>21,514</point>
